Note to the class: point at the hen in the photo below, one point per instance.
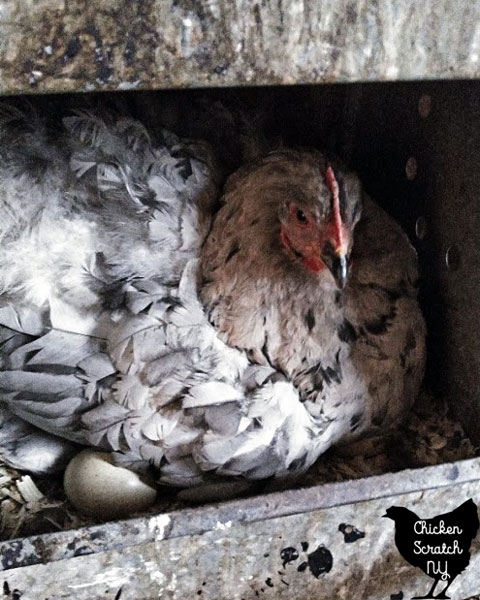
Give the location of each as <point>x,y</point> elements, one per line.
<point>248,355</point>
<point>284,281</point>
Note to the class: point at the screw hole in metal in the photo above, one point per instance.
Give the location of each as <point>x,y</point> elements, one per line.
<point>424,105</point>
<point>452,258</point>
<point>411,168</point>
<point>421,228</point>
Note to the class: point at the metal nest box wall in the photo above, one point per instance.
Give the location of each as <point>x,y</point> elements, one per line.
<point>415,146</point>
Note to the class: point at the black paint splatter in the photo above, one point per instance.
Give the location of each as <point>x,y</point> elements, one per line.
<point>269,582</point>
<point>12,555</point>
<point>398,596</point>
<point>350,533</point>
<point>320,561</point>
<point>302,567</point>
<point>304,546</point>
<point>288,555</point>
<point>73,48</point>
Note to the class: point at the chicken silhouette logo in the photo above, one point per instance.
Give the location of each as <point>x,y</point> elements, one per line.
<point>439,546</point>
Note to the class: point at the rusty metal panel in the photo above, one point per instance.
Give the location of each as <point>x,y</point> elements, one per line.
<point>235,550</point>
<point>57,46</point>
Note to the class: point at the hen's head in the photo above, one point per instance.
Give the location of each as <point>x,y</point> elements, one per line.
<point>318,215</point>
<point>400,514</point>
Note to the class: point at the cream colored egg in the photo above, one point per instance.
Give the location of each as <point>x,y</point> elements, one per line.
<point>97,487</point>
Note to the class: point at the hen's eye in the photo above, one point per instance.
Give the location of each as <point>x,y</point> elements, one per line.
<point>301,216</point>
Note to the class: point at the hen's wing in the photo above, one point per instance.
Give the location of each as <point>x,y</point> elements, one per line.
<point>163,388</point>
<point>384,323</point>
<point>84,214</point>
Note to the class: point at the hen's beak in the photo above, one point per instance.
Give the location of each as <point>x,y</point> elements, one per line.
<point>339,270</point>
<point>337,263</point>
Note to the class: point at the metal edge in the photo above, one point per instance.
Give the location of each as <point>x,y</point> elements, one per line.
<point>195,521</point>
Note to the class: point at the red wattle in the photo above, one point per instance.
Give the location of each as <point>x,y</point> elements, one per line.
<point>315,264</point>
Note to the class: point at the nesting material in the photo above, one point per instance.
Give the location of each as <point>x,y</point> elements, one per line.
<point>26,510</point>
<point>430,436</point>
<point>31,505</point>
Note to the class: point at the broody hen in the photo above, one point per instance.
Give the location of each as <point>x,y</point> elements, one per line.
<point>307,275</point>
<point>248,347</point>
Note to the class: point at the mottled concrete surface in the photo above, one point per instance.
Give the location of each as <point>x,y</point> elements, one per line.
<point>74,45</point>
<point>290,545</point>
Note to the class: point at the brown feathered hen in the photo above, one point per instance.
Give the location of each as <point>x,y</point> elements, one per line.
<point>308,275</point>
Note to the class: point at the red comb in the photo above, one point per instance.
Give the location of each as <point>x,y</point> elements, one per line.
<point>337,217</point>
<point>332,183</point>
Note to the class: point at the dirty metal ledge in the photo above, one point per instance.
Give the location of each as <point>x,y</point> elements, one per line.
<point>123,534</point>
<point>59,46</point>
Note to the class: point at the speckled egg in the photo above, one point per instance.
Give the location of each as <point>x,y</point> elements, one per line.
<point>97,487</point>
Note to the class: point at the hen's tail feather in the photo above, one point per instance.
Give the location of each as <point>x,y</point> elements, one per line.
<point>229,125</point>
<point>119,152</point>
<point>25,139</point>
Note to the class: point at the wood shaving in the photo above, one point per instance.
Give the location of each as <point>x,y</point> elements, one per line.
<point>28,490</point>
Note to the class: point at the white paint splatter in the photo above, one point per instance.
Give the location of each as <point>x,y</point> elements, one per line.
<point>128,85</point>
<point>172,586</point>
<point>223,526</point>
<point>158,525</point>
<point>151,568</point>
<point>115,577</point>
<point>392,71</point>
